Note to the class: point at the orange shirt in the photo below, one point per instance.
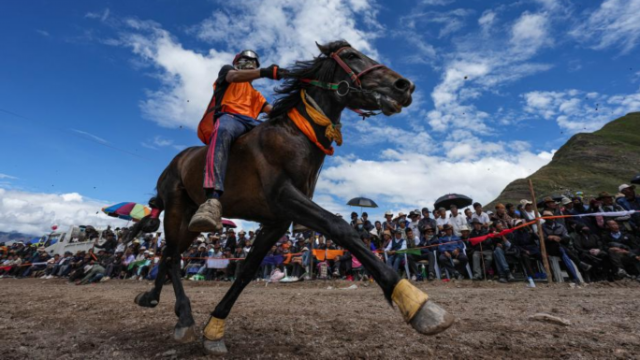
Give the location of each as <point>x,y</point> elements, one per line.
<point>243,99</point>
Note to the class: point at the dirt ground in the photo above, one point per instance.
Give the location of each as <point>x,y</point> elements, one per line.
<point>50,319</point>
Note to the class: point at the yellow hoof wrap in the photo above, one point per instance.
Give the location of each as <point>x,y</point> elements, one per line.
<point>214,329</point>
<point>408,298</point>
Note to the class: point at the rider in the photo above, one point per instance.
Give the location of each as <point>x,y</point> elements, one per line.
<point>232,112</point>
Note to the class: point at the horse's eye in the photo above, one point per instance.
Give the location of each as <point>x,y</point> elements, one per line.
<point>352,56</point>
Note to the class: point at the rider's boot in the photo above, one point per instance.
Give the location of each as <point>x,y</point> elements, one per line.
<point>208,218</point>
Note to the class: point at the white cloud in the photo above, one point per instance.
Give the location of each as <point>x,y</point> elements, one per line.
<point>102,15</point>
<point>487,19</point>
<point>473,70</point>
<point>5,176</point>
<point>282,31</point>
<point>410,180</point>
<point>34,213</point>
<point>615,23</point>
<point>579,111</point>
<point>160,142</point>
<point>529,33</point>
<point>437,2</point>
<point>90,136</point>
<point>290,30</point>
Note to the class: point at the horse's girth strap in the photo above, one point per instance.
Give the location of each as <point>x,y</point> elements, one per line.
<point>214,329</point>
<point>408,298</point>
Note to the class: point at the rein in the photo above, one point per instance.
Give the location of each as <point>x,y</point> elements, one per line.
<point>343,87</point>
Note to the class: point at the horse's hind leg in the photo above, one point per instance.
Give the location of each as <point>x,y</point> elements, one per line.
<point>178,211</point>
<point>152,297</point>
<point>423,314</point>
<point>214,331</point>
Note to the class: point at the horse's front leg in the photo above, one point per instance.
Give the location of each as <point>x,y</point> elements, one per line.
<point>423,314</point>
<point>214,331</point>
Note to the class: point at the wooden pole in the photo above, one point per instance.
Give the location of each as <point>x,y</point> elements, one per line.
<point>543,247</point>
<point>484,270</point>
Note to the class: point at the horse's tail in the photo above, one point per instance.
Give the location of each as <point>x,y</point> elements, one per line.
<point>149,223</point>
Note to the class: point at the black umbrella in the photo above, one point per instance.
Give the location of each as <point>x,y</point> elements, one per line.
<point>458,200</point>
<point>362,202</point>
<point>636,180</point>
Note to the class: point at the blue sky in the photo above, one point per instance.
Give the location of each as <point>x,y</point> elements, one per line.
<point>97,97</point>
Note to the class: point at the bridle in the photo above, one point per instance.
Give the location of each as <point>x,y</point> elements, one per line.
<point>343,87</point>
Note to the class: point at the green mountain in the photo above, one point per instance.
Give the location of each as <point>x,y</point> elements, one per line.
<point>588,162</point>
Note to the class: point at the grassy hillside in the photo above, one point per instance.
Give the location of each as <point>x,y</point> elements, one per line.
<point>590,163</point>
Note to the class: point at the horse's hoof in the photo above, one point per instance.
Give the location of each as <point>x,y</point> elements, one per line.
<point>143,300</point>
<point>431,319</point>
<point>216,347</point>
<point>185,335</point>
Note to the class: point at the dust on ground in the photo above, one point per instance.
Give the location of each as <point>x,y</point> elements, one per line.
<point>47,319</point>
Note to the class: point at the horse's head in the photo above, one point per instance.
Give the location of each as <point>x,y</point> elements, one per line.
<point>362,83</point>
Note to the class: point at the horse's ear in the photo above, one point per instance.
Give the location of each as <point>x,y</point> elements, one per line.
<point>323,49</point>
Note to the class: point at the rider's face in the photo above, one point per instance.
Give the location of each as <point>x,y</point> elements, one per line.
<point>246,64</point>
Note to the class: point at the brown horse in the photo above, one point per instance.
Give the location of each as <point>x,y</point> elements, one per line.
<point>271,178</point>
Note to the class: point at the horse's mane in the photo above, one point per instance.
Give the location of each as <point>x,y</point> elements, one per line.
<point>321,68</point>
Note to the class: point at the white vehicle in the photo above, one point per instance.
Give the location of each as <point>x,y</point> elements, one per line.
<point>74,240</point>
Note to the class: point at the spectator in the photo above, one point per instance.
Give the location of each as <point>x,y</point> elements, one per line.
<point>402,218</point>
<point>389,224</point>
<point>396,244</point>
<point>414,223</point>
<point>426,221</point>
<point>451,256</point>
<point>467,214</point>
<point>480,252</point>
<point>592,250</point>
<point>482,216</point>
<point>457,221</point>
<point>624,250</point>
<point>80,268</point>
<point>526,248</point>
<point>402,227</point>
<point>529,214</point>
<point>366,223</point>
<point>242,238</point>
<point>557,242</point>
<point>52,264</point>
<point>38,261</point>
<point>93,272</point>
<point>114,266</point>
<point>512,211</point>
<point>231,239</point>
<point>362,232</point>
<point>552,206</point>
<point>502,217</point>
<point>428,243</point>
<point>630,201</point>
<point>442,220</point>
<point>247,248</point>
<point>503,247</point>
<point>354,219</point>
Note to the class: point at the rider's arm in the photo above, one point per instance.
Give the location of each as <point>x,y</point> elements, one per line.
<point>272,72</point>
<point>237,76</point>
<point>267,108</point>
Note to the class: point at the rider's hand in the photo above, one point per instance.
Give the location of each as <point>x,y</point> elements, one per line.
<point>273,72</point>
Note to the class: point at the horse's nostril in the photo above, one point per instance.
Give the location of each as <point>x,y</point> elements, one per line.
<point>402,84</point>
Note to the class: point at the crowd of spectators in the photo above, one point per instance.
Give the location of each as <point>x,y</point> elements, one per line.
<point>417,245</point>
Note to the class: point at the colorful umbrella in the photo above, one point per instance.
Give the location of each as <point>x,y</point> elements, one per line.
<point>127,211</point>
<point>228,224</point>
